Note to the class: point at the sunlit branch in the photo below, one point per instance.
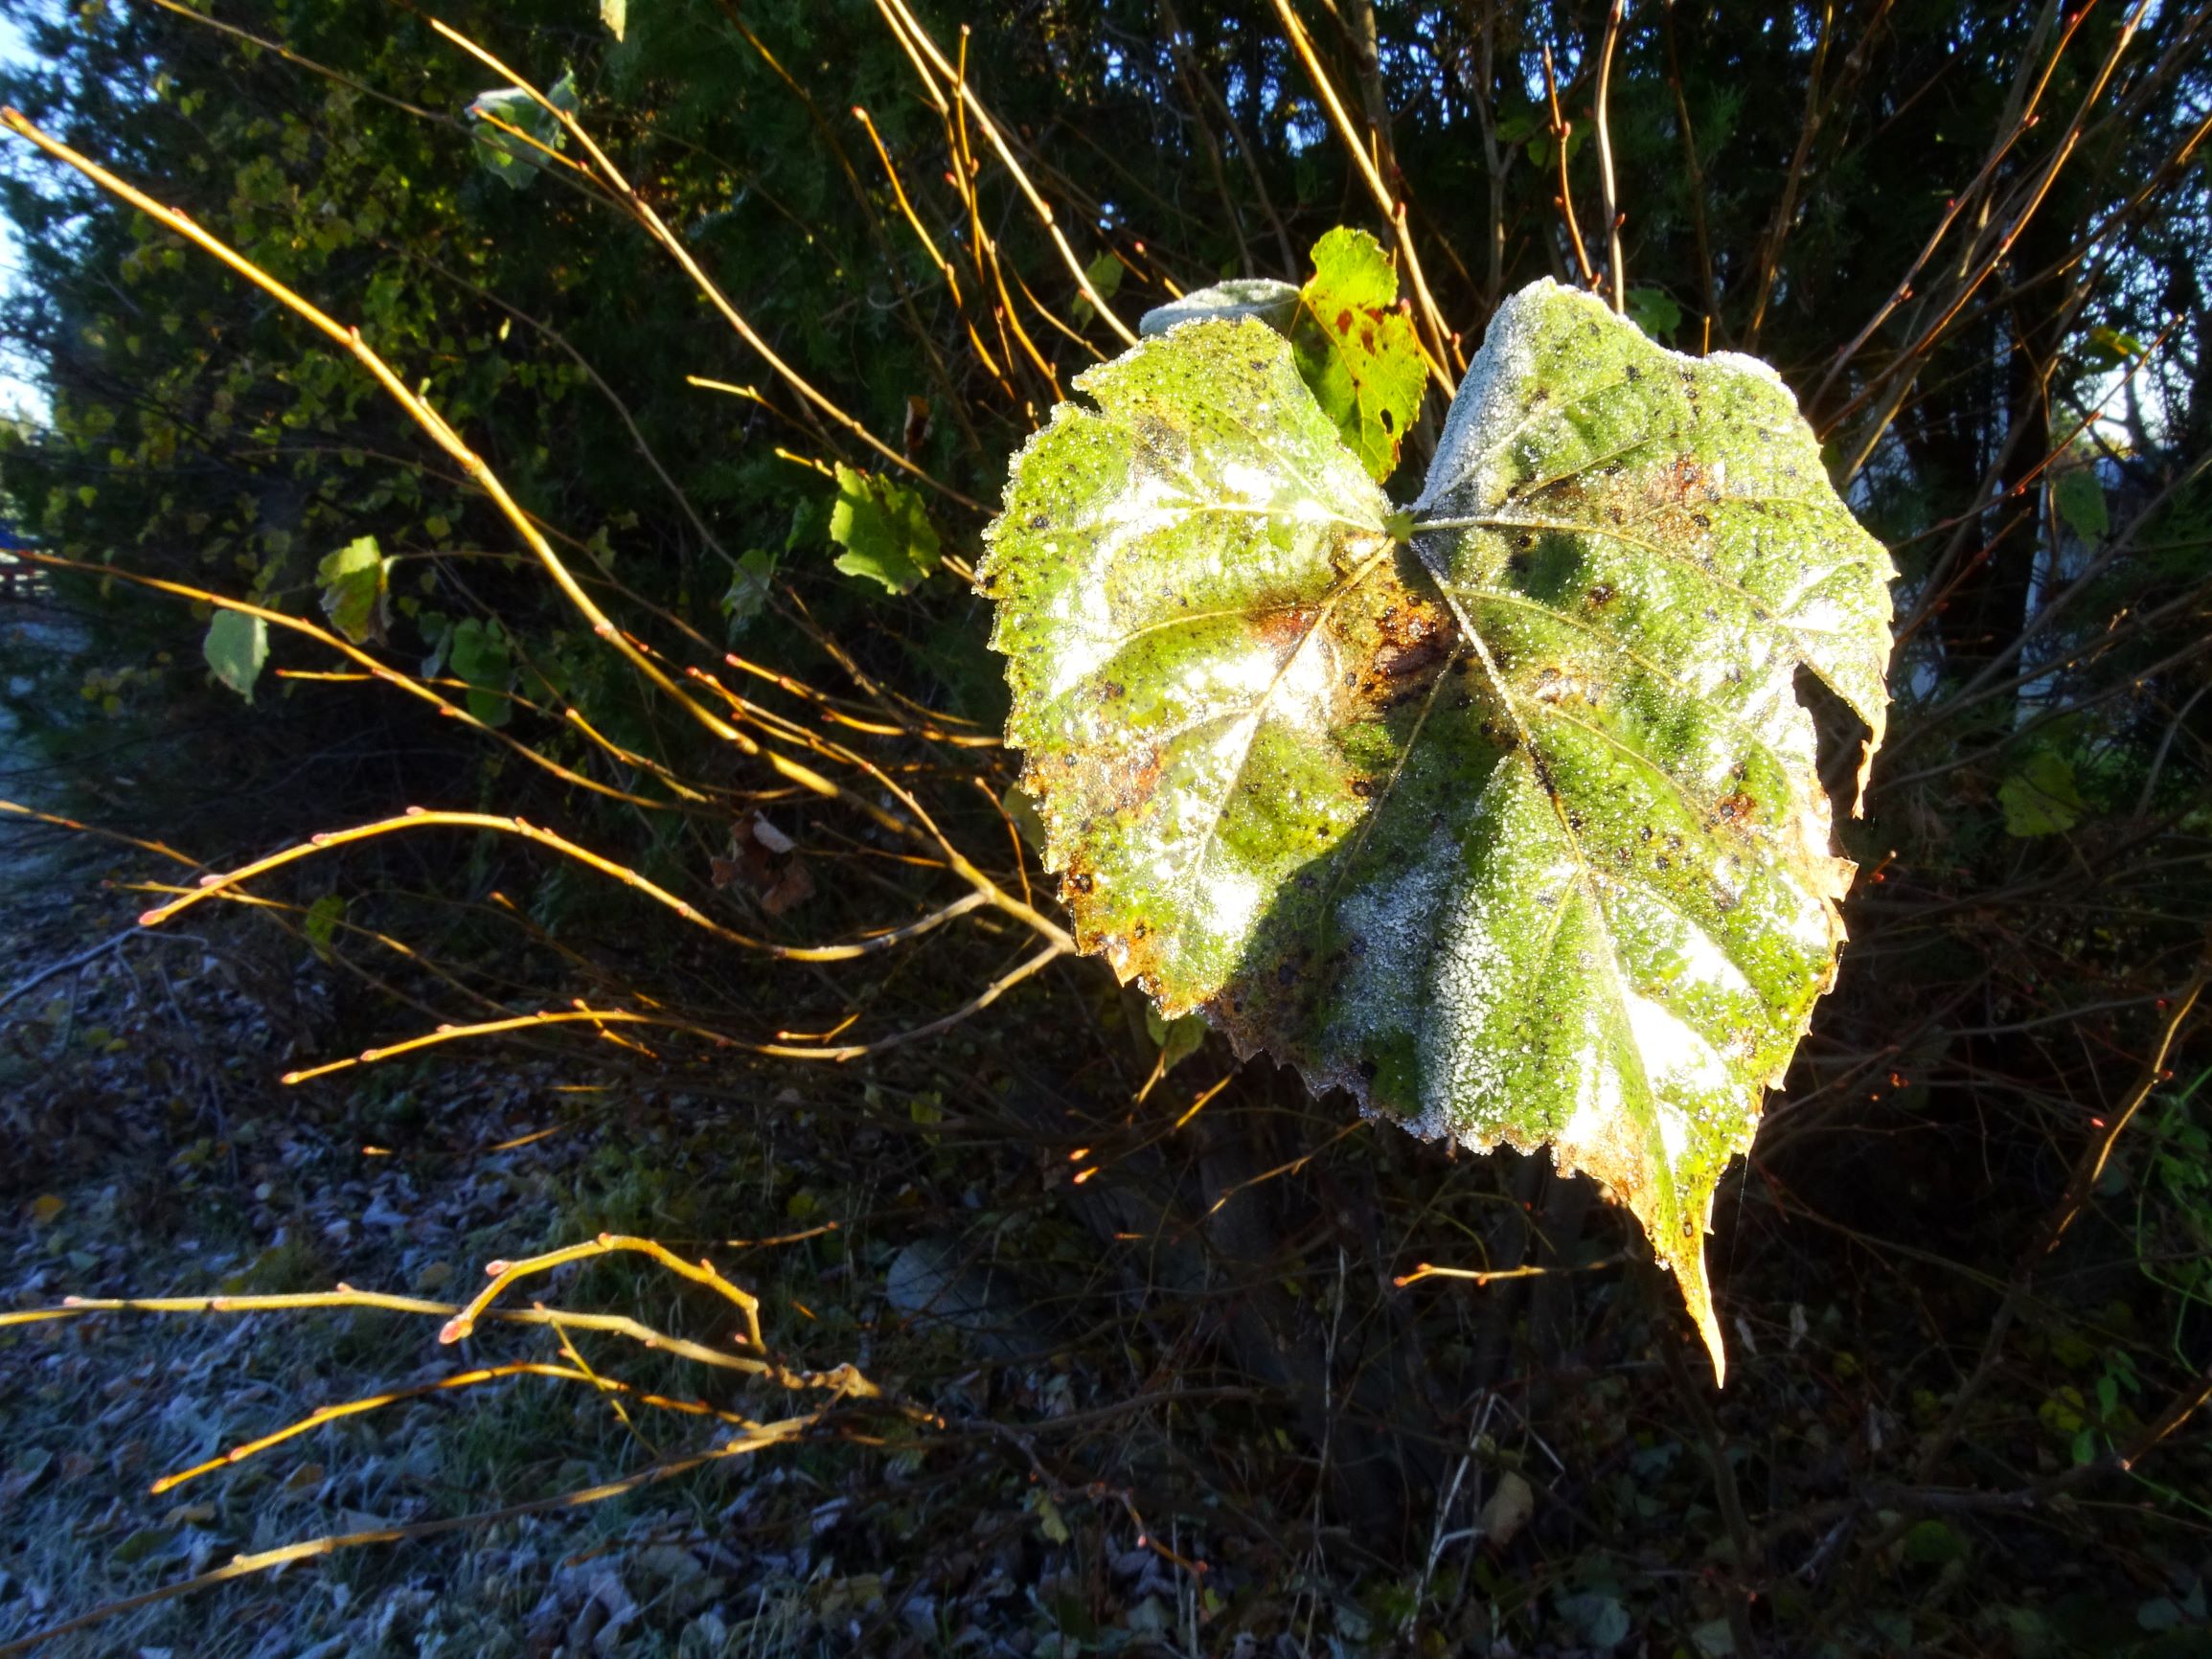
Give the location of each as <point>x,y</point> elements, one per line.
<point>1559,130</point>
<point>329,1413</point>
<point>905,206</point>
<point>1616,271</point>
<point>983,999</point>
<point>418,818</point>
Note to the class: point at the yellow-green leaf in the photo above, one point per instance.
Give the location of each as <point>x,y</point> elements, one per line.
<point>884,531</point>
<point>1357,350</point>
<point>355,589</point>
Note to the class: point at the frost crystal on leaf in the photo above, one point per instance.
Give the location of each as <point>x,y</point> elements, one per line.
<point>1513,830</point>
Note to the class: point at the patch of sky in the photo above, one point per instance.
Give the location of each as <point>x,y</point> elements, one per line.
<point>22,396</point>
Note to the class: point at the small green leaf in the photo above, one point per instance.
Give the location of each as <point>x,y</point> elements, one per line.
<point>1513,830</point>
<point>1932,1544</point>
<point>2041,798</point>
<point>1051,1524</point>
<point>750,584</point>
<point>1357,350</point>
<point>1105,275</point>
<point>886,536</point>
<point>236,646</point>
<point>2111,347</point>
<point>2158,1614</point>
<point>1179,1039</point>
<point>1654,311</point>
<point>2079,496</point>
<point>1599,1619</point>
<point>321,922</point>
<point>478,653</point>
<point>356,594</point>
<point>438,635</point>
<point>142,1545</point>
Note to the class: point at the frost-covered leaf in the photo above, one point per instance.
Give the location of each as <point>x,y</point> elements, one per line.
<point>1263,299</point>
<point>236,648</point>
<point>355,581</point>
<point>1357,350</point>
<point>1513,830</point>
<point>886,534</point>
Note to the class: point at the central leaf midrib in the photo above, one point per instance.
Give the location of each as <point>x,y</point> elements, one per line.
<point>1586,876</point>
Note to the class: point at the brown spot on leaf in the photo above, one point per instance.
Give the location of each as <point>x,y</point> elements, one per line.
<point>1284,630</point>
<point>1411,643</point>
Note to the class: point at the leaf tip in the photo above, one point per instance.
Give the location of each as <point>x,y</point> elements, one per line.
<point>1698,1299</point>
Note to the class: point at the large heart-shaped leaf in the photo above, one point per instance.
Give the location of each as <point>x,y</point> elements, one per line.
<point>1502,814</point>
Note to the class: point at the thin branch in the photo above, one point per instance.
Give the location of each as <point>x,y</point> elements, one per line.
<point>1616,272</point>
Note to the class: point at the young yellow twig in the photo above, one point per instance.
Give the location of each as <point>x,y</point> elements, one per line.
<point>1491,1276</point>
<point>1616,273</point>
<point>608,1388</point>
<point>60,823</point>
<point>502,1274</point>
<point>982,1000</point>
<point>418,818</point>
<point>446,1034</point>
<point>328,1413</point>
<point>905,206</point>
<point>1559,129</point>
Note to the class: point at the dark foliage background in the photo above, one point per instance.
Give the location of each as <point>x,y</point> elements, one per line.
<point>1969,237</point>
